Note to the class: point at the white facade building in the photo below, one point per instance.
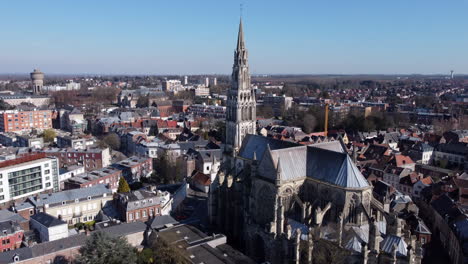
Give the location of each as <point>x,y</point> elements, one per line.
<point>49,227</point>
<point>28,175</point>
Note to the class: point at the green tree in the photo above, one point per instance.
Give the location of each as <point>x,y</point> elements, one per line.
<point>112,140</point>
<point>309,123</point>
<point>165,253</point>
<point>101,248</point>
<point>143,101</point>
<point>123,186</point>
<point>49,135</point>
<point>5,106</point>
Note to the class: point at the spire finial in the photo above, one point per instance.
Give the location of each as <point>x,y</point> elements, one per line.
<point>240,37</point>
<point>241,9</point>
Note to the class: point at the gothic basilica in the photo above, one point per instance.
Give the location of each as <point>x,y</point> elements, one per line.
<point>274,199</point>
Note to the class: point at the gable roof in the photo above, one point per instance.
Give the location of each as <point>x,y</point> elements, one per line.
<point>387,245</point>
<point>258,144</point>
<point>334,167</point>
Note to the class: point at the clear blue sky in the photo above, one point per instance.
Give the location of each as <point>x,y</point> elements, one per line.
<point>198,36</point>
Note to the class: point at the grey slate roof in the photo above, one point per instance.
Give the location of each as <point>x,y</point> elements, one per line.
<point>162,220</point>
<point>334,167</point>
<point>336,146</point>
<point>6,215</point>
<point>43,248</point>
<point>71,195</point>
<point>326,162</point>
<point>47,220</point>
<point>258,144</point>
<point>387,245</point>
<point>293,162</point>
<point>125,229</point>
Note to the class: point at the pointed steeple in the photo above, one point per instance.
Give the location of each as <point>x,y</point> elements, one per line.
<point>240,38</point>
<point>278,172</point>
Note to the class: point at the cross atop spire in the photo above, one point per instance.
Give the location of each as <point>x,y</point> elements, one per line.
<point>240,38</point>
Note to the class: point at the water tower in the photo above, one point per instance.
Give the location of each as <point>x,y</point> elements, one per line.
<point>37,78</point>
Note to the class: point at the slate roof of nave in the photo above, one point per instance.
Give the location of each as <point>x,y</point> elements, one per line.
<point>258,144</point>
<point>334,167</point>
<point>327,162</point>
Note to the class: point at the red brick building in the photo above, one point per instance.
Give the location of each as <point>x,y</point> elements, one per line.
<point>108,176</point>
<point>11,235</point>
<point>143,205</point>
<point>91,158</point>
<point>13,121</point>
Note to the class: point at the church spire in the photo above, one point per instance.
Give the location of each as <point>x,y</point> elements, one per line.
<point>241,105</point>
<point>240,38</point>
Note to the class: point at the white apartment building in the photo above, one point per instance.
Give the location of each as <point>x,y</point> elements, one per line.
<point>28,175</point>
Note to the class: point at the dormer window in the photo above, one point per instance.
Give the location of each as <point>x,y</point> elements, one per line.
<point>4,232</point>
<point>150,201</point>
<point>77,200</point>
<point>89,197</point>
<point>64,202</point>
<point>16,258</point>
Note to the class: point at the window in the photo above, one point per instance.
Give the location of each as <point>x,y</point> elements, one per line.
<point>130,216</point>
<point>77,200</point>
<point>137,215</point>
<point>144,214</point>
<point>64,202</point>
<point>46,165</point>
<point>47,184</point>
<point>89,197</point>
<point>47,172</point>
<point>31,211</point>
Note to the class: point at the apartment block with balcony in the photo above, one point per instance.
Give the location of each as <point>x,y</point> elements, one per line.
<point>28,175</point>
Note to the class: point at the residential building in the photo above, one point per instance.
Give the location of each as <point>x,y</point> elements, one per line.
<point>172,86</point>
<point>49,227</point>
<point>360,111</point>
<point>29,141</point>
<point>135,168</point>
<point>451,154</point>
<point>279,104</point>
<point>338,114</point>
<point>90,158</point>
<point>208,110</point>
<point>8,139</point>
<point>28,175</point>
<point>421,153</point>
<point>109,176</point>
<point>68,172</point>
<point>202,91</point>
<point>73,206</point>
<point>11,235</point>
<point>15,121</point>
<point>75,142</point>
<point>143,205</point>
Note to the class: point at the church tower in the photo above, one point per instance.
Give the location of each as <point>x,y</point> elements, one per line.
<point>241,105</point>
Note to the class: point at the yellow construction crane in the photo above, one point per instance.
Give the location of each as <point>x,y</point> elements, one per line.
<point>326,121</point>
